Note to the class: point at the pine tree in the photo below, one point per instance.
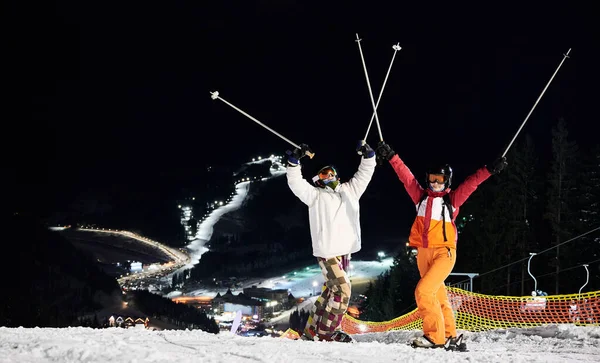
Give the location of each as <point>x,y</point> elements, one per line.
<point>561,193</point>
<point>496,223</point>
<point>376,292</point>
<point>589,215</point>
<point>520,194</point>
<point>481,240</point>
<point>404,276</point>
<point>392,294</point>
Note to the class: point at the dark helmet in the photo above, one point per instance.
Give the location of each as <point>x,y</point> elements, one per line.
<point>444,170</point>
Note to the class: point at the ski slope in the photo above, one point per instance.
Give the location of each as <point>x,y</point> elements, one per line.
<point>564,343</point>
<point>196,247</point>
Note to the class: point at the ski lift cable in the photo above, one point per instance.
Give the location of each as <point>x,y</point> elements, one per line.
<point>544,275</point>
<point>539,253</point>
<point>572,239</point>
<point>571,268</point>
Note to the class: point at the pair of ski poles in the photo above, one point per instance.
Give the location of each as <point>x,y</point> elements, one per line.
<point>215,95</point>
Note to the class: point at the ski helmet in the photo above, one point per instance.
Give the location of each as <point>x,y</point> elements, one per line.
<point>434,172</point>
<point>327,177</point>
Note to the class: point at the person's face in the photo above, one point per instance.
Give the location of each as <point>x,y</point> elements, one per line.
<point>327,175</point>
<point>437,182</point>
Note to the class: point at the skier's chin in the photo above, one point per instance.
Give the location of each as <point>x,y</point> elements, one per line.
<point>437,189</point>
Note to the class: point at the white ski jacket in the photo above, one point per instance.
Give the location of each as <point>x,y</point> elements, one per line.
<point>333,214</point>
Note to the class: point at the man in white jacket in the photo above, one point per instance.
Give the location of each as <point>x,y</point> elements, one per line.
<point>334,218</point>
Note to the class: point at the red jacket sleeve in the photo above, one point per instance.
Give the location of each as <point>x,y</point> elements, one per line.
<point>466,188</point>
<point>412,186</point>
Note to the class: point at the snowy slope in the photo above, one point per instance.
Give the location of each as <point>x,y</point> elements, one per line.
<point>197,247</point>
<point>549,344</point>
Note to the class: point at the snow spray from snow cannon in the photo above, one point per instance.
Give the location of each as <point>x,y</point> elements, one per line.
<point>565,56</point>
<point>215,95</point>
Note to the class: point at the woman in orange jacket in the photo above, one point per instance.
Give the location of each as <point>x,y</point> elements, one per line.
<point>434,235</point>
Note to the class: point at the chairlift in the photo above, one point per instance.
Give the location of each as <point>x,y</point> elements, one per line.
<point>534,292</point>
<point>586,280</point>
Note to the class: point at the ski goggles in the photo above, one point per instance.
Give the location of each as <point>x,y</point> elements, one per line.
<point>327,174</point>
<point>436,178</point>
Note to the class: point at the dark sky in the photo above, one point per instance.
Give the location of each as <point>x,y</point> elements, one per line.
<point>112,91</point>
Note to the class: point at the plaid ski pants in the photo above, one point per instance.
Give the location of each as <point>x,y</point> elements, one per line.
<point>329,309</point>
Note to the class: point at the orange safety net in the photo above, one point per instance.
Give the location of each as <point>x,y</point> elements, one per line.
<point>477,312</point>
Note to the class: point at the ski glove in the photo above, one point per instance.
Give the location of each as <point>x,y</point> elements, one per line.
<point>293,157</point>
<point>384,151</point>
<point>497,166</point>
<point>365,150</point>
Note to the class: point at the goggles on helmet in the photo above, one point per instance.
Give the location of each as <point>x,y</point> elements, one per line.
<point>437,178</point>
<point>327,174</point>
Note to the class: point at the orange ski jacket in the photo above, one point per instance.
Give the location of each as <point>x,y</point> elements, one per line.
<point>433,226</point>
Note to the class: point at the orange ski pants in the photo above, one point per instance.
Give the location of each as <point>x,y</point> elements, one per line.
<point>435,264</point>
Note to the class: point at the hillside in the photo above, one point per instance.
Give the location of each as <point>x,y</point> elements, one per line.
<point>50,282</point>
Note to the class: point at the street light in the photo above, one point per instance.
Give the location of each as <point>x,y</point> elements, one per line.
<point>314,286</point>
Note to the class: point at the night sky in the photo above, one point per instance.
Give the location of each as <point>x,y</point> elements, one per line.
<point>118,94</point>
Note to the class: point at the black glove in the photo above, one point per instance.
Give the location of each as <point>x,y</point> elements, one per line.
<point>497,166</point>
<point>384,151</point>
<point>365,150</point>
<point>293,157</point>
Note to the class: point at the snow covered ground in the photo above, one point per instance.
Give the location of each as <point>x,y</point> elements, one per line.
<point>562,343</point>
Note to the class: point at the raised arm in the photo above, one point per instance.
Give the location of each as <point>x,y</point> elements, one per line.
<point>459,196</point>
<point>412,186</point>
<point>360,180</point>
<point>299,186</point>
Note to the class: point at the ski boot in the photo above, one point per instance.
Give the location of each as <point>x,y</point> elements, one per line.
<point>456,344</point>
<point>424,342</point>
<point>340,336</point>
<point>309,334</point>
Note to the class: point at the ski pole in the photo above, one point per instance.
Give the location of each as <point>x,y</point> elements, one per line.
<point>565,56</point>
<point>215,95</point>
<point>369,86</point>
<point>396,49</point>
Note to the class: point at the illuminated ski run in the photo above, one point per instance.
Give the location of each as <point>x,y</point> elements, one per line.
<point>196,247</point>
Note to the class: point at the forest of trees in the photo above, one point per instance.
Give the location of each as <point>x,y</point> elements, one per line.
<point>536,205</point>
